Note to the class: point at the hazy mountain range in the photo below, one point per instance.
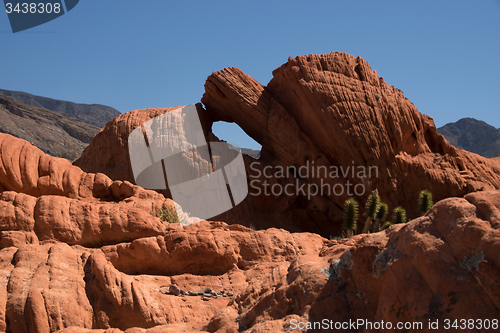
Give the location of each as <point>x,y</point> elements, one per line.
<point>53,132</point>
<point>94,114</point>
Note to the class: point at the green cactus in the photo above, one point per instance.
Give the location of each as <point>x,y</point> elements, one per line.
<point>386,225</point>
<point>424,201</point>
<point>371,209</point>
<point>350,216</point>
<point>383,210</point>
<point>399,215</point>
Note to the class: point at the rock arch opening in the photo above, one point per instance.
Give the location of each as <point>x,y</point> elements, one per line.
<point>232,133</point>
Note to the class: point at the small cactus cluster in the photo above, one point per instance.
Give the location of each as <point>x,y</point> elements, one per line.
<point>383,210</point>
<point>386,225</point>
<point>376,211</point>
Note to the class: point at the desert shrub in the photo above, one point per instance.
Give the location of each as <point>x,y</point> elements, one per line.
<point>399,215</point>
<point>424,201</point>
<point>350,216</point>
<point>167,214</point>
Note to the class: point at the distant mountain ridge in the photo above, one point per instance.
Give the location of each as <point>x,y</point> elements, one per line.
<point>94,114</point>
<point>53,132</point>
<point>473,135</point>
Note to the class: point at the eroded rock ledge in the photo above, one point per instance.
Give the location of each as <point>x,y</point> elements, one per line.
<point>63,271</point>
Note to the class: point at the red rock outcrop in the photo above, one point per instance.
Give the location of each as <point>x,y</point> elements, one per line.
<point>108,151</point>
<point>26,169</point>
<point>80,253</point>
<point>47,198</point>
<point>330,111</point>
<point>448,258</point>
<point>333,110</point>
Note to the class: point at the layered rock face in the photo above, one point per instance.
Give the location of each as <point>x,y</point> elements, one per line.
<point>319,112</point>
<point>108,152</point>
<point>46,198</point>
<point>332,110</point>
<point>81,253</point>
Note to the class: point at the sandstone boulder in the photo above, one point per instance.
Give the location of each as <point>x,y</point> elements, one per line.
<point>47,198</point>
<point>109,151</point>
<point>26,169</point>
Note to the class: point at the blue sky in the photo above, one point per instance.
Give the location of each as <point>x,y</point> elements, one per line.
<point>444,55</point>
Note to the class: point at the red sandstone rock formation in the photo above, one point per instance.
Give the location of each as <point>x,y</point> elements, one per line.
<point>109,151</point>
<point>87,263</point>
<point>47,198</point>
<point>333,110</point>
<point>328,110</point>
<point>80,253</point>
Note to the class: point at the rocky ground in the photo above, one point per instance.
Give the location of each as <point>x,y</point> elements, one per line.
<point>80,251</point>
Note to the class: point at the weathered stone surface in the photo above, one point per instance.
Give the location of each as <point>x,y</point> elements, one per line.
<point>333,110</point>
<point>77,222</point>
<point>16,211</point>
<point>25,220</point>
<point>46,290</point>
<point>329,110</point>
<point>26,169</point>
<point>108,152</point>
<point>204,249</point>
<point>80,252</point>
<point>448,257</point>
<point>47,198</point>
